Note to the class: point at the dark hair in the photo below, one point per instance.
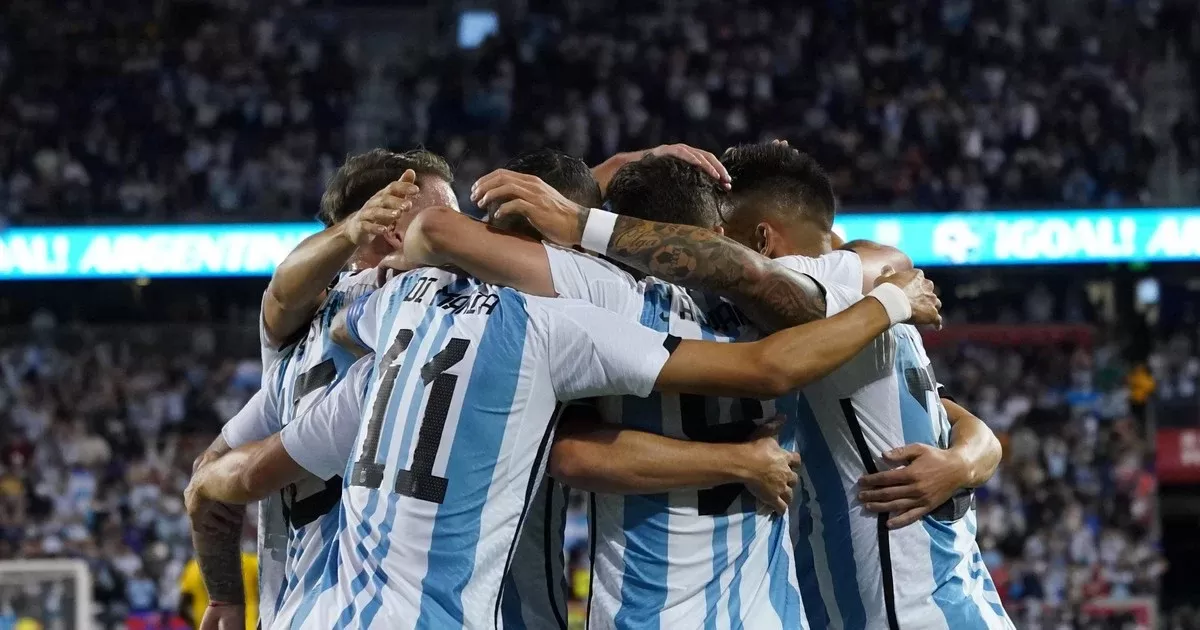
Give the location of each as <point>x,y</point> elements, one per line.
<point>783,177</point>
<point>567,174</point>
<point>365,174</point>
<point>667,189</point>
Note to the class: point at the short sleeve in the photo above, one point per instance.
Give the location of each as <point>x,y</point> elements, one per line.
<point>321,440</point>
<point>837,267</point>
<point>580,276</point>
<point>362,319</point>
<point>270,354</point>
<point>257,420</point>
<point>839,297</point>
<point>594,352</point>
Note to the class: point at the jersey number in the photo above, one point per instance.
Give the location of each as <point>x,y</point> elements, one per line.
<point>718,500</point>
<point>417,482</point>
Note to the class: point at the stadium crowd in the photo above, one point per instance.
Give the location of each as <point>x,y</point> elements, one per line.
<point>233,109</point>
<point>152,111</point>
<point>932,105</point>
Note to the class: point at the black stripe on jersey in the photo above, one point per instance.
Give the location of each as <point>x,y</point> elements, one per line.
<point>942,393</point>
<point>670,343</point>
<point>534,476</point>
<point>587,611</point>
<point>885,540</point>
<point>315,378</point>
<point>548,547</point>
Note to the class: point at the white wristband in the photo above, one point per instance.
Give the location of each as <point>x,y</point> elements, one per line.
<point>598,230</point>
<point>894,302</point>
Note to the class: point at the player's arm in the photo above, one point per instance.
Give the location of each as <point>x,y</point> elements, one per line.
<point>441,236</point>
<point>299,283</point>
<point>317,443</point>
<point>875,258</point>
<point>928,476</point>
<point>592,352</point>
<point>217,526</point>
<point>216,537</point>
<point>355,327</point>
<point>773,296</point>
<point>594,456</point>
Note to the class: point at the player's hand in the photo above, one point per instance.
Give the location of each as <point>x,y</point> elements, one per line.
<point>922,295</point>
<point>381,211</point>
<point>503,193</point>
<point>699,158</point>
<point>224,617</point>
<point>928,476</point>
<point>208,516</point>
<point>770,469</point>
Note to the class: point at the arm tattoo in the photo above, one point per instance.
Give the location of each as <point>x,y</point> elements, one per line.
<point>216,537</point>
<point>695,258</point>
<point>219,555</point>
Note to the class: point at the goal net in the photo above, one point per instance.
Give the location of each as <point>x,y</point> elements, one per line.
<point>56,594</point>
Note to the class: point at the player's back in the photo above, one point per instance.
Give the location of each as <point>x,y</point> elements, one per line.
<point>683,559</point>
<point>295,524</point>
<point>854,572</point>
<point>453,443</point>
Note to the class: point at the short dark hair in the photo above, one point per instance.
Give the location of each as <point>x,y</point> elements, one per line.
<point>567,174</point>
<point>784,177</point>
<point>365,174</point>
<point>667,189</point>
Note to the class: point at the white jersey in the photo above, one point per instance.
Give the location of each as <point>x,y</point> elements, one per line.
<point>453,441</point>
<point>853,571</point>
<point>685,559</point>
<point>293,524</point>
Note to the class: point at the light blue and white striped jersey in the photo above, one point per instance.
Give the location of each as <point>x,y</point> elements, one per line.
<point>293,525</point>
<point>687,559</point>
<point>853,572</point>
<point>453,442</point>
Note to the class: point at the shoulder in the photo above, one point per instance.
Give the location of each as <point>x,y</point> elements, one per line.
<point>837,267</point>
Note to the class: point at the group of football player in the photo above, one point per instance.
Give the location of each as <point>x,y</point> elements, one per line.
<point>744,397</point>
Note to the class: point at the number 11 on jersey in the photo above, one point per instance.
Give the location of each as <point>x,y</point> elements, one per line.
<point>418,481</point>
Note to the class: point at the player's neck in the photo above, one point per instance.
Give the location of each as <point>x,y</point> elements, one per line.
<point>806,243</point>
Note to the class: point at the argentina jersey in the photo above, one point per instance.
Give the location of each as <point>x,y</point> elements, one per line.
<point>294,525</point>
<point>853,572</point>
<point>685,559</point>
<point>535,589</point>
<point>453,441</point>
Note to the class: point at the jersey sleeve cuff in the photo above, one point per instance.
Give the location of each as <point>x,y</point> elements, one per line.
<point>305,457</point>
<point>354,315</point>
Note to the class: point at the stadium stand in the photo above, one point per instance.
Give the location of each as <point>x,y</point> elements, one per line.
<point>135,111</point>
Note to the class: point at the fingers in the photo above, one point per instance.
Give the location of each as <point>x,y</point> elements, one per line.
<point>906,453</point>
<point>712,166</point>
<point>889,507</point>
<point>409,176</point>
<point>794,460</point>
<point>703,160</point>
<point>898,477</point>
<point>496,178</point>
<point>890,493</point>
<point>907,518</point>
<point>498,191</point>
<point>516,206</point>
<point>770,429</point>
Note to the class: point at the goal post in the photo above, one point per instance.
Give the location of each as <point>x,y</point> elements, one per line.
<point>57,593</point>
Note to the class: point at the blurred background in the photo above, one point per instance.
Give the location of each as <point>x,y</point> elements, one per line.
<point>1039,158</point>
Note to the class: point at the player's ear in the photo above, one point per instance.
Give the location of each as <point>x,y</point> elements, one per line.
<point>764,239</point>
